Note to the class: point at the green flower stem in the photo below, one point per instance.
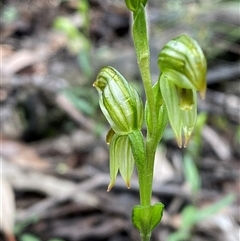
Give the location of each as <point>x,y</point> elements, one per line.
<point>145,237</point>
<point>144,158</point>
<point>138,150</point>
<point>141,43</point>
<point>140,38</point>
<point>145,176</point>
<point>146,166</point>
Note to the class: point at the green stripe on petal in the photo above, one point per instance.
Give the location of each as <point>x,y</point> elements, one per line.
<point>183,68</point>
<point>189,118</point>
<point>170,96</point>
<point>119,101</point>
<point>113,161</point>
<point>126,162</point>
<point>121,158</point>
<point>183,58</point>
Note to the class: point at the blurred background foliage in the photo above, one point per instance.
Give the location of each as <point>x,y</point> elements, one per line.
<point>51,52</point>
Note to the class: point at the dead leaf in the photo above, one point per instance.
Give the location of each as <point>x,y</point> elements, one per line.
<point>22,154</point>
<point>7,214</point>
<point>163,171</point>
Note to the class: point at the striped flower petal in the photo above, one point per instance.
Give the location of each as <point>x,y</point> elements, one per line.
<point>183,68</point>
<point>121,158</point>
<point>119,101</point>
<point>182,59</point>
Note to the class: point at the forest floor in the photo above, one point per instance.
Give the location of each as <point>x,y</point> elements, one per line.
<point>54,159</point>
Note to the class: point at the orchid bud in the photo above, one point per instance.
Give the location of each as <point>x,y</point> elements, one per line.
<point>121,159</point>
<point>183,61</point>
<point>119,101</point>
<point>183,68</point>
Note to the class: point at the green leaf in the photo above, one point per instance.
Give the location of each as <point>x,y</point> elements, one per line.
<point>20,226</point>
<point>9,14</point>
<point>29,237</point>
<point>66,26</point>
<point>189,215</point>
<point>80,103</point>
<point>146,218</point>
<point>55,239</point>
<point>215,208</point>
<point>191,174</point>
<point>76,40</point>
<point>85,63</point>
<point>179,236</point>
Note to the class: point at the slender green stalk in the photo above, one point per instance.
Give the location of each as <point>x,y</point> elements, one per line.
<point>172,97</point>
<point>145,237</point>
<point>141,42</point>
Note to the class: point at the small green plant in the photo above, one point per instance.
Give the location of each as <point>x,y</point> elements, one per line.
<point>31,237</point>
<point>78,41</point>
<point>172,98</point>
<point>19,230</point>
<point>9,14</point>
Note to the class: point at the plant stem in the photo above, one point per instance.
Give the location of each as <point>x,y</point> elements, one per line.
<point>145,237</point>
<point>141,42</point>
<point>145,165</point>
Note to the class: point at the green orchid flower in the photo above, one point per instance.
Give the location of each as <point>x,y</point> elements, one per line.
<point>183,68</point>
<point>119,101</point>
<point>121,159</point>
<point>123,108</point>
